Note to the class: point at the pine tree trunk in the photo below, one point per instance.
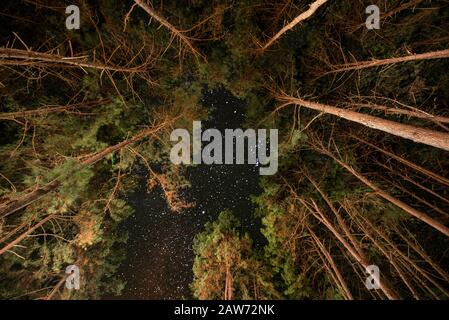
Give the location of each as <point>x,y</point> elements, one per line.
<point>51,109</point>
<point>430,137</point>
<point>416,213</point>
<point>40,192</point>
<point>410,164</point>
<point>17,57</point>
<point>384,285</point>
<point>376,63</point>
<point>156,16</point>
<point>303,16</point>
<point>25,234</point>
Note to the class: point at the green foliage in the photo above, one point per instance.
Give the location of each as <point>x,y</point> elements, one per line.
<point>89,203</point>
<point>223,256</point>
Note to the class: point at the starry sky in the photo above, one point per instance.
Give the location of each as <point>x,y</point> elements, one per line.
<point>159,250</point>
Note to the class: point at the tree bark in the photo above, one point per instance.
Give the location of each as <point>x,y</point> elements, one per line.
<point>430,137</point>
<point>9,56</point>
<point>40,192</point>
<point>25,234</point>
<point>303,16</point>
<point>168,25</point>
<point>358,65</point>
<point>415,213</point>
<point>50,109</point>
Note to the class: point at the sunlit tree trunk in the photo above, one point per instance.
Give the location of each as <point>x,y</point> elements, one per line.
<point>50,109</point>
<point>415,213</point>
<point>18,57</point>
<point>430,137</point>
<point>40,192</point>
<point>383,62</point>
<point>25,234</point>
<point>303,16</point>
<point>176,32</point>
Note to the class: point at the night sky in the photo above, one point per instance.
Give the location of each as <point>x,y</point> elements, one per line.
<point>159,250</point>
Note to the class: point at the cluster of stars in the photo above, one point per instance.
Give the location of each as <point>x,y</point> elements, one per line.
<point>160,254</point>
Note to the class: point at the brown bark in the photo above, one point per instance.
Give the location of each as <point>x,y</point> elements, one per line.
<point>9,56</point>
<point>358,65</point>
<point>430,137</point>
<point>303,16</point>
<point>47,110</point>
<point>410,164</point>
<point>328,258</point>
<point>415,213</point>
<point>40,192</point>
<point>25,234</point>
<point>159,18</point>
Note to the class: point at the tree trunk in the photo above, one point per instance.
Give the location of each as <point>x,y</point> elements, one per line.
<point>9,56</point>
<point>25,234</point>
<point>397,111</point>
<point>417,214</point>
<point>303,16</point>
<point>39,192</point>
<point>376,63</point>
<point>384,285</point>
<point>50,109</point>
<point>430,137</point>
<point>328,258</point>
<point>168,25</point>
<point>410,164</point>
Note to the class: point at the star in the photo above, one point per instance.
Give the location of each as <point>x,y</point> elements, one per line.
<point>158,237</point>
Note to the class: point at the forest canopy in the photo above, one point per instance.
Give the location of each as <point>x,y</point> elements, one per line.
<point>363,121</point>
